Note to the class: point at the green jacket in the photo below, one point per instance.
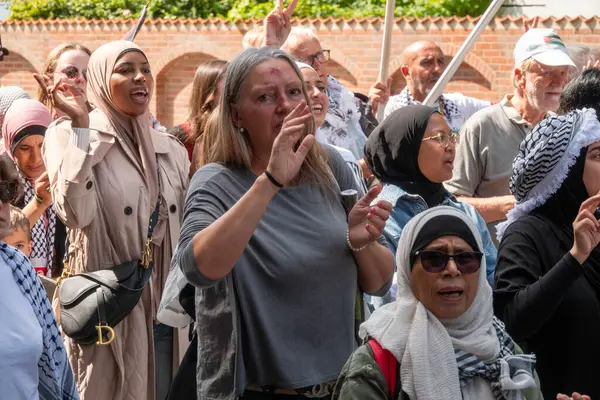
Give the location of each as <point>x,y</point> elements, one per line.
<point>362,379</point>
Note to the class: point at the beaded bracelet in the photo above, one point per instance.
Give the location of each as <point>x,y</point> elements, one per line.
<point>354,249</point>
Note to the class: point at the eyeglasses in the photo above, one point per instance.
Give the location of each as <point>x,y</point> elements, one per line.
<point>444,140</point>
<point>72,72</point>
<point>322,57</point>
<point>434,261</point>
<point>8,191</point>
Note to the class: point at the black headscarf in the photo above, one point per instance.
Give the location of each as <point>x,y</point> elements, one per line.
<point>443,225</point>
<point>562,209</point>
<point>392,153</point>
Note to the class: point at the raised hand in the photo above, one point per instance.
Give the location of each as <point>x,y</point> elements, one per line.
<point>41,188</point>
<point>285,161</point>
<point>586,229</point>
<point>574,396</point>
<point>366,222</point>
<point>277,24</point>
<point>534,24</point>
<point>66,98</point>
<point>591,64</point>
<point>380,93</point>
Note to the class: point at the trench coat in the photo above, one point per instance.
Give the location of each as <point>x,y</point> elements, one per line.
<point>101,197</point>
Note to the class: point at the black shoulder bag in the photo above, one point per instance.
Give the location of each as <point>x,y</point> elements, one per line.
<point>92,303</point>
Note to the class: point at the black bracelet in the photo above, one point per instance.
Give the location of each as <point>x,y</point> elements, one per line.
<point>273,180</point>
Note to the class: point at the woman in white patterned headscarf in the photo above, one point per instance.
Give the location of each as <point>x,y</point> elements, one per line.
<point>440,334</point>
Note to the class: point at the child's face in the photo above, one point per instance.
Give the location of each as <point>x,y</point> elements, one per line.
<point>19,239</point>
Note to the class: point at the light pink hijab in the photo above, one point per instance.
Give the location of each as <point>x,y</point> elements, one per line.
<point>135,131</point>
<point>23,113</point>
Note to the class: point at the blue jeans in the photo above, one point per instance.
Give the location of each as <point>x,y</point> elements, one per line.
<point>163,359</point>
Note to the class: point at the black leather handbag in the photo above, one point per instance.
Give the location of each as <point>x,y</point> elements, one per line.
<point>92,303</point>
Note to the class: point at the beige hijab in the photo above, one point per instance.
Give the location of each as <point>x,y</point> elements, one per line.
<point>135,132</point>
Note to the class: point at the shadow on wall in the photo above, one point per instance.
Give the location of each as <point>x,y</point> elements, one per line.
<point>16,70</point>
<point>342,74</point>
<point>467,80</point>
<point>174,87</point>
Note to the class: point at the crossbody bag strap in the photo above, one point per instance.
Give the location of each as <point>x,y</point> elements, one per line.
<point>146,251</point>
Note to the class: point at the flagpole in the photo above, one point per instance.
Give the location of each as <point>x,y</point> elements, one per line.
<point>386,46</point>
<point>130,36</point>
<point>441,84</point>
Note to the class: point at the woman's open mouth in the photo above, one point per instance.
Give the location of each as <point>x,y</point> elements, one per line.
<point>139,96</point>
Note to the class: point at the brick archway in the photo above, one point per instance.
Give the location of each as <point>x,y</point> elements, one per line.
<point>17,70</point>
<point>342,59</point>
<point>174,87</point>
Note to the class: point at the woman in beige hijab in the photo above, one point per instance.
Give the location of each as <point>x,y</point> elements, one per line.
<point>107,170</point>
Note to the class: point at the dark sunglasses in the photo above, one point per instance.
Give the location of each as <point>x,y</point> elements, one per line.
<point>434,261</point>
<point>8,191</point>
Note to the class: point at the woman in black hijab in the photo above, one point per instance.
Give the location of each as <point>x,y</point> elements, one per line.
<point>412,154</point>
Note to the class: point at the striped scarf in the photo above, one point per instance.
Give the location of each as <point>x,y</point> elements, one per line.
<point>44,230</point>
<point>507,373</point>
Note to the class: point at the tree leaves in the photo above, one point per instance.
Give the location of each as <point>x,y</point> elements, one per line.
<point>237,9</point>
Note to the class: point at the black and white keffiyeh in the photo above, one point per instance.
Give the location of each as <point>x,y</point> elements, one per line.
<point>56,381</point>
<point>450,111</point>
<point>545,158</point>
<point>44,231</point>
<point>507,370</point>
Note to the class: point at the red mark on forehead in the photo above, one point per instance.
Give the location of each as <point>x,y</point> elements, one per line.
<point>274,71</point>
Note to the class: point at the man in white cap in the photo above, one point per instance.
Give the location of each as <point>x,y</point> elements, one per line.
<point>490,139</point>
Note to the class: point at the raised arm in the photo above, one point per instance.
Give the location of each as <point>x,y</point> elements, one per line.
<point>66,153</point>
<point>211,253</point>
<point>524,298</point>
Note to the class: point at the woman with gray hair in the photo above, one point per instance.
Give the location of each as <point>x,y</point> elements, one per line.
<point>266,240</point>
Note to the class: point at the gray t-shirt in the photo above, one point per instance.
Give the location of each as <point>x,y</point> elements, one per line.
<point>295,284</point>
<point>489,142</point>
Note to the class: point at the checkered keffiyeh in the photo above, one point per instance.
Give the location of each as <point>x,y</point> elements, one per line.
<point>44,231</point>
<point>405,98</point>
<point>56,380</point>
<point>500,372</point>
<point>545,158</point>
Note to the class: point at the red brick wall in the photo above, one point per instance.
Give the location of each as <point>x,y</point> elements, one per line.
<point>176,47</point>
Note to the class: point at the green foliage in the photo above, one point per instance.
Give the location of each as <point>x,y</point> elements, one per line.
<point>240,9</point>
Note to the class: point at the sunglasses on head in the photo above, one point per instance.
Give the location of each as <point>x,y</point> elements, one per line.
<point>435,261</point>
<point>8,191</point>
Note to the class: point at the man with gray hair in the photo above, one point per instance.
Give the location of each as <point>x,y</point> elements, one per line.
<point>490,139</point>
<point>342,126</point>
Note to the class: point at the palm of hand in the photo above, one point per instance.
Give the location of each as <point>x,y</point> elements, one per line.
<point>276,29</point>
<point>290,161</point>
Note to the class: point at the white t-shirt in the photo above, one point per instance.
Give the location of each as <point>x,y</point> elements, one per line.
<point>21,342</point>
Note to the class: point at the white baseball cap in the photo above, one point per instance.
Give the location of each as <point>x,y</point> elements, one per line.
<point>544,46</point>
